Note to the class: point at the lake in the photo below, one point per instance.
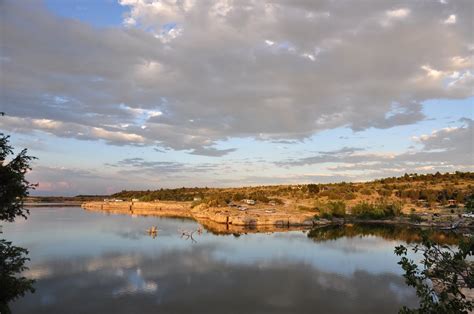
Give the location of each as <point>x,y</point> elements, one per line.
<point>88,262</point>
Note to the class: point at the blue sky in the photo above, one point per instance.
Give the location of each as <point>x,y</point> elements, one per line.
<point>98,13</point>
<point>158,94</point>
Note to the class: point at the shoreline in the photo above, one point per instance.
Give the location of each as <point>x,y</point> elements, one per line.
<point>232,220</point>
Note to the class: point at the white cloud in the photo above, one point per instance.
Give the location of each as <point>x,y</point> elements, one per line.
<point>309,56</point>
<point>432,73</point>
<point>243,71</point>
<point>392,16</point>
<point>112,136</point>
<point>269,42</point>
<point>398,13</point>
<point>450,20</point>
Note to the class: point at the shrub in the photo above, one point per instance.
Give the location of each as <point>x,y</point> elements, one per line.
<point>380,210</point>
<point>349,196</point>
<point>337,209</point>
<point>238,197</point>
<point>415,218</point>
<point>332,209</point>
<point>326,215</point>
<point>259,196</point>
<point>469,206</point>
<point>313,188</point>
<point>217,202</point>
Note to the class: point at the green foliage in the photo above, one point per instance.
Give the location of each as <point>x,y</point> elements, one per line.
<point>14,187</point>
<point>313,188</point>
<point>332,209</point>
<point>337,209</point>
<point>12,262</point>
<point>237,197</point>
<point>381,210</point>
<point>440,276</point>
<point>437,177</point>
<point>217,202</point>
<point>412,187</point>
<point>259,196</point>
<point>415,218</point>
<point>326,215</point>
<point>469,206</point>
<point>13,190</point>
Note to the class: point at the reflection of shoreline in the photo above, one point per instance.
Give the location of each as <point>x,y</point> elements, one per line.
<point>229,220</point>
<point>225,229</point>
<point>385,231</point>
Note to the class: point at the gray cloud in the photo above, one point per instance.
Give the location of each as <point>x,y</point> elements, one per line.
<point>187,75</point>
<point>343,154</point>
<point>447,149</point>
<point>211,151</point>
<point>132,165</point>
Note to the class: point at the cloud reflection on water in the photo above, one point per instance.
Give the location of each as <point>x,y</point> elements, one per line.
<point>194,281</point>
<point>93,263</point>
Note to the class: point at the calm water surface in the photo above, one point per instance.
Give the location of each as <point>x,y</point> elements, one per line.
<point>87,262</point>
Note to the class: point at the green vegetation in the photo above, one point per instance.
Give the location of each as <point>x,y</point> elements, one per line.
<point>411,197</point>
<point>14,187</point>
<point>381,210</point>
<point>378,199</point>
<point>440,276</point>
<point>469,206</point>
<point>313,188</point>
<point>13,191</point>
<point>415,218</point>
<point>332,209</point>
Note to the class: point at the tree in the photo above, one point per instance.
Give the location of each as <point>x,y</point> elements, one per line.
<point>14,187</point>
<point>469,206</point>
<point>313,188</point>
<point>337,209</point>
<point>12,263</point>
<point>441,276</point>
<point>13,190</point>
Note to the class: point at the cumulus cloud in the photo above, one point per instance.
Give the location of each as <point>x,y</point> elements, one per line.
<point>186,74</point>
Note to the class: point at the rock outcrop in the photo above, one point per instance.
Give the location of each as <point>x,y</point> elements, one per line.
<point>220,219</point>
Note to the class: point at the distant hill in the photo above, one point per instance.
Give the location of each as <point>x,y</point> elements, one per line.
<point>411,191</point>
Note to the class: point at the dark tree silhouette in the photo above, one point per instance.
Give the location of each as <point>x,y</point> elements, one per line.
<point>442,277</point>
<point>13,190</point>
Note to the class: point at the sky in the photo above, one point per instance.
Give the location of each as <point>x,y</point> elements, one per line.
<point>148,94</point>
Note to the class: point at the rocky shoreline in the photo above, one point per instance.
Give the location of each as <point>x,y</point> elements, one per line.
<point>220,219</point>
<point>232,220</point>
